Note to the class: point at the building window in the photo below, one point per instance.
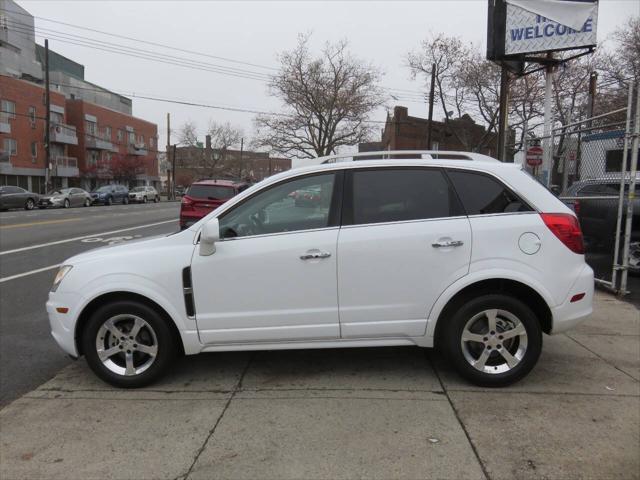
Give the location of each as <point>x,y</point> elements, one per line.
<point>120,135</point>
<point>32,116</point>
<point>150,142</point>
<point>141,139</point>
<point>92,157</point>
<point>106,157</point>
<point>34,151</point>
<point>10,146</point>
<point>132,138</point>
<point>57,117</point>
<point>90,127</point>
<point>9,108</point>
<point>435,146</point>
<point>107,133</point>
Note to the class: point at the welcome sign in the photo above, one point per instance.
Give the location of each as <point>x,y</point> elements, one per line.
<point>516,28</point>
<point>529,32</point>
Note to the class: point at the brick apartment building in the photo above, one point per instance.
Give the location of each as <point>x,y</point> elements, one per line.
<point>404,132</point>
<point>94,139</point>
<point>22,137</point>
<point>202,161</point>
<point>112,146</point>
<point>90,144</point>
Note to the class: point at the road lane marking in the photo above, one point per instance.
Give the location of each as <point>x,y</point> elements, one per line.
<point>75,239</point>
<point>43,222</point>
<point>31,272</point>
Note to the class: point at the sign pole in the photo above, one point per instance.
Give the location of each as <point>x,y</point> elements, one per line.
<point>504,115</point>
<point>547,164</point>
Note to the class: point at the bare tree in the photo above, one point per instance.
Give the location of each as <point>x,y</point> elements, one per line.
<point>188,134</point>
<point>449,55</point>
<point>224,136</point>
<point>327,101</point>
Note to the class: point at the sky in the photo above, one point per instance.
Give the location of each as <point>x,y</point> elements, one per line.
<point>380,32</point>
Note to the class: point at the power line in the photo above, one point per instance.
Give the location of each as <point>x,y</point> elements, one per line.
<point>226,59</point>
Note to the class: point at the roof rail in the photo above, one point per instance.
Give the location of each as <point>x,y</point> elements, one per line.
<point>388,154</point>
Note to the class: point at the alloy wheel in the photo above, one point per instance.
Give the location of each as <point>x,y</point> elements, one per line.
<point>126,345</point>
<point>494,341</point>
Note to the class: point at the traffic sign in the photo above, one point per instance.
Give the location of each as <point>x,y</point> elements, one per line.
<point>534,156</point>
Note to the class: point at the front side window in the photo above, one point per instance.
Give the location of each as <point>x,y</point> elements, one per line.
<point>300,204</point>
<point>396,195</point>
<point>483,195</point>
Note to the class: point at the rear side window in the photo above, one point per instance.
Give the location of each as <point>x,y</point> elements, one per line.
<point>393,195</point>
<point>482,195</point>
<point>211,192</point>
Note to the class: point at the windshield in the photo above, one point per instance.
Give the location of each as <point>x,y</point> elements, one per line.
<point>106,188</point>
<point>211,192</point>
<point>64,191</point>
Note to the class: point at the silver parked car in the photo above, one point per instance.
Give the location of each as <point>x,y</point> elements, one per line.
<point>65,198</point>
<point>16,197</point>
<point>144,195</point>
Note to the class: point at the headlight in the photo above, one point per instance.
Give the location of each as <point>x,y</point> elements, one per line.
<point>60,275</point>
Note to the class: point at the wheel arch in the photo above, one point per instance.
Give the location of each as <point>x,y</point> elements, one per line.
<point>109,297</point>
<point>525,293</point>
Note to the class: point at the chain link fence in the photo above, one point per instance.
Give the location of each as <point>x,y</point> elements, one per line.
<point>593,169</point>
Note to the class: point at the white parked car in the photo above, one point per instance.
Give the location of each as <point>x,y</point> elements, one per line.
<point>466,254</point>
<point>144,195</point>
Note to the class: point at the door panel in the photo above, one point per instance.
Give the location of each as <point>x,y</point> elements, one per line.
<point>256,289</point>
<point>390,275</point>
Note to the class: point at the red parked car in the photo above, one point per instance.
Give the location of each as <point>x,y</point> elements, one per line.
<point>204,196</point>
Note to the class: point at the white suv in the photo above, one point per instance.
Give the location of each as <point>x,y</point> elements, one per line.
<point>465,253</point>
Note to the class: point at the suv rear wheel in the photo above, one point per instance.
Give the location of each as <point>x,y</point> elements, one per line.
<point>128,344</point>
<point>493,340</point>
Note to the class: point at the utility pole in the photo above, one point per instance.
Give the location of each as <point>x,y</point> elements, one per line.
<point>241,152</point>
<point>173,168</point>
<point>170,180</point>
<point>593,80</point>
<point>431,95</point>
<point>47,131</point>
<point>504,115</point>
<point>547,154</point>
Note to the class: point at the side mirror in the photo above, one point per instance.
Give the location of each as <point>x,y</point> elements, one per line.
<point>209,235</point>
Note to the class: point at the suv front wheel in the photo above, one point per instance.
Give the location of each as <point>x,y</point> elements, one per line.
<point>128,344</point>
<point>493,340</point>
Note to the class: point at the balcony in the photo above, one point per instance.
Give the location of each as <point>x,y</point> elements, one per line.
<point>5,126</point>
<point>138,149</point>
<point>98,141</point>
<point>61,133</point>
<point>65,167</point>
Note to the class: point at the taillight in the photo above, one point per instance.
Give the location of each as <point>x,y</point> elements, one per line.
<point>186,203</point>
<point>566,227</point>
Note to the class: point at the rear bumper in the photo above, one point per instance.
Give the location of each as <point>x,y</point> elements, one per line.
<point>569,314</point>
<point>188,219</point>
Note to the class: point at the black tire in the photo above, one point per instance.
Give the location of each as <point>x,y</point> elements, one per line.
<point>109,201</point>
<point>451,339</point>
<point>166,346</point>
<point>125,200</point>
<point>29,204</point>
<point>156,199</point>
<point>67,204</point>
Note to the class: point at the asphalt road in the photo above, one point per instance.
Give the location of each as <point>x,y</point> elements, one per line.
<point>32,244</point>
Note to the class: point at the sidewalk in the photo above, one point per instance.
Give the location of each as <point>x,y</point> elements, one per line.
<point>367,413</point>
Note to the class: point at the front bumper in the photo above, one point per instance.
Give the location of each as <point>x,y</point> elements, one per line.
<point>63,325</point>
<point>569,314</point>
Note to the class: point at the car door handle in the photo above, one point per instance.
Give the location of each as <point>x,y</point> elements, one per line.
<point>450,243</point>
<point>311,255</point>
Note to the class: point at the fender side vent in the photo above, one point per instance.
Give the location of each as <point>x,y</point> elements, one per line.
<point>187,290</point>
